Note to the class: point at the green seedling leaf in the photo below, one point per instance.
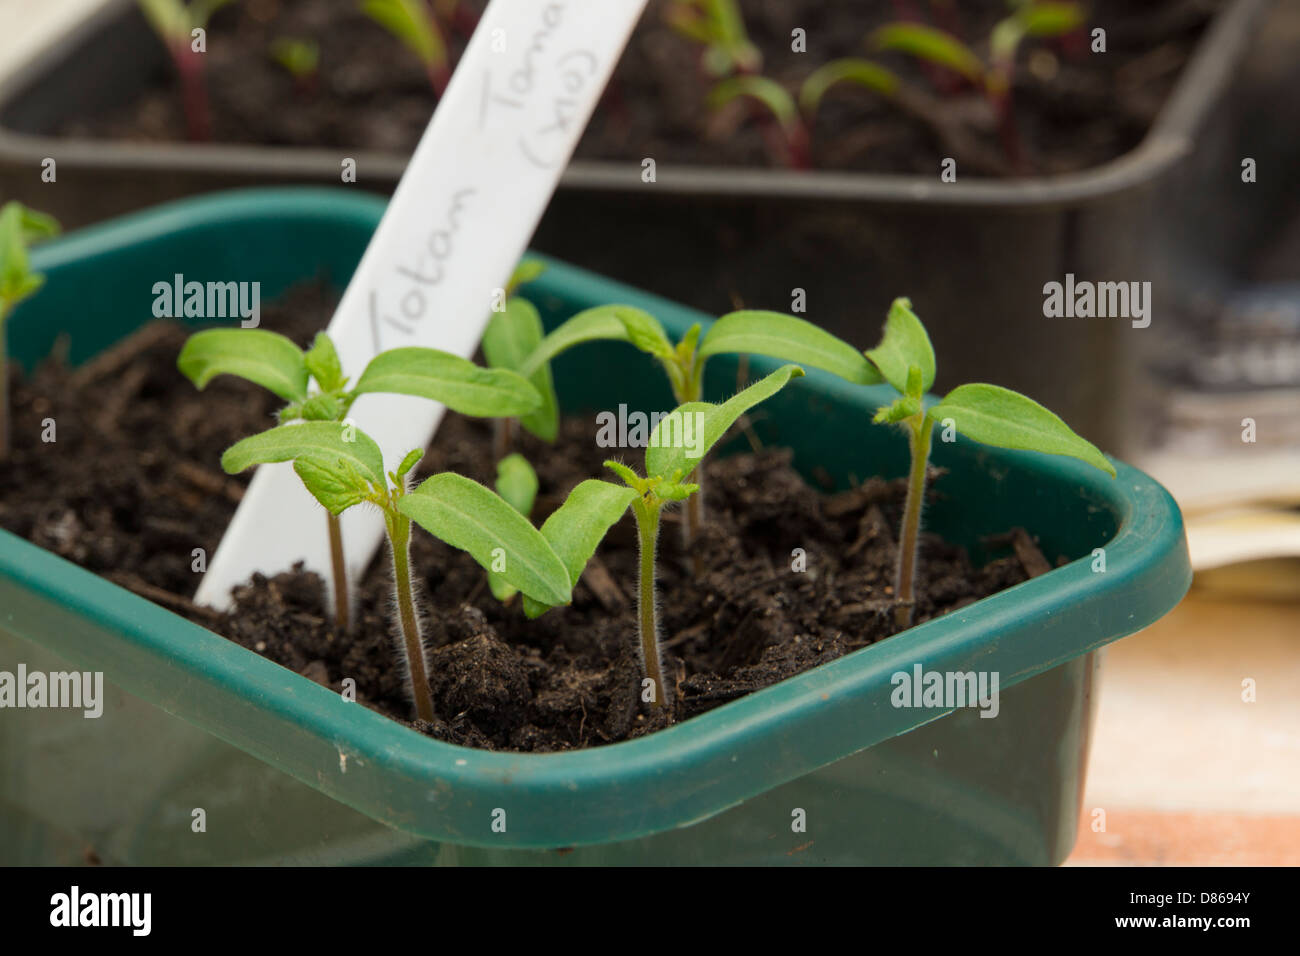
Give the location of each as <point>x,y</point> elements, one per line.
<point>36,226</point>
<point>410,461</point>
<point>576,528</point>
<point>634,481</point>
<point>338,462</point>
<point>675,490</point>
<point>904,345</point>
<point>683,437</point>
<point>1005,419</point>
<point>336,490</point>
<point>455,382</point>
<point>645,332</point>
<point>300,57</point>
<point>173,19</point>
<point>318,408</point>
<point>683,17</point>
<point>852,70</point>
<point>266,358</point>
<point>1047,19</point>
<point>510,338</point>
<point>790,339</point>
<point>604,322</point>
<point>525,272</point>
<point>927,43</point>
<point>473,518</point>
<point>768,92</point>
<point>1035,20</point>
<point>411,22</point>
<point>899,410</point>
<point>19,227</point>
<point>517,484</point>
<point>323,363</point>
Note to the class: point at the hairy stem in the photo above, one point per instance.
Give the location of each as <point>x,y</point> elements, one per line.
<point>694,521</point>
<point>399,538</point>
<point>647,522</point>
<point>342,612</point>
<point>918,434</point>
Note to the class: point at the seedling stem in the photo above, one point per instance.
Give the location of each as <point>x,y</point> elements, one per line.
<point>647,523</point>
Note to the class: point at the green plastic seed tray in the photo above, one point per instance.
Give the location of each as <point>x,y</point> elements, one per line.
<point>820,768</point>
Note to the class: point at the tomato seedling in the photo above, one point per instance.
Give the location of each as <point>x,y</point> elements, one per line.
<point>677,446</point>
<point>988,414</point>
<point>278,365</point>
<point>342,467</point>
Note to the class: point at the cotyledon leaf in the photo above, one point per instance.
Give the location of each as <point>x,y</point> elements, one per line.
<point>789,339</point>
<point>683,437</point>
<point>266,358</point>
<point>576,528</point>
<point>1005,419</point>
<point>480,522</point>
<point>456,382</point>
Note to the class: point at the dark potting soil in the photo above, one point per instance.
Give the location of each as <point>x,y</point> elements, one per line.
<point>131,486</point>
<point>1074,109</point>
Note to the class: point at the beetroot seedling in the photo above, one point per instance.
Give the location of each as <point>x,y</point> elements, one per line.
<point>342,467</point>
<point>677,446</point>
<point>278,365</point>
<point>988,414</point>
<point>720,30</point>
<point>1041,19</point>
<point>414,23</point>
<point>784,129</point>
<point>301,59</point>
<point>19,227</point>
<point>177,24</point>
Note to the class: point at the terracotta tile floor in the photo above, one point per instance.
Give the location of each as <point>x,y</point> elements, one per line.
<point>1185,770</point>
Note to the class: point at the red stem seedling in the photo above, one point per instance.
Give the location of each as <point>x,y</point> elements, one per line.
<point>414,23</point>
<point>1031,18</point>
<point>182,29</point>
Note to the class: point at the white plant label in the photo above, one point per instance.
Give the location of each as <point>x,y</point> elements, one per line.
<point>458,222</point>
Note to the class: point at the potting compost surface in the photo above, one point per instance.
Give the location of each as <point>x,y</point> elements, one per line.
<point>132,486</point>
<point>1073,108</point>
